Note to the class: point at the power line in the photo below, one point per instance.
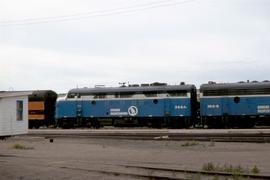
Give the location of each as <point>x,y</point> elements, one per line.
<point>85,13</point>
<point>91,14</point>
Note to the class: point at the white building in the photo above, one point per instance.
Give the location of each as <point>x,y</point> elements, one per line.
<point>13,112</point>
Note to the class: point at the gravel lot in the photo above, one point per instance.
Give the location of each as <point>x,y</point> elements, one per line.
<point>73,158</point>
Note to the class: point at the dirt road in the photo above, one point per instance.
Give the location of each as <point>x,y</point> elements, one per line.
<point>74,158</point>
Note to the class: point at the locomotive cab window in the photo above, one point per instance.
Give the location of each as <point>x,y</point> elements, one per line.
<point>71,95</point>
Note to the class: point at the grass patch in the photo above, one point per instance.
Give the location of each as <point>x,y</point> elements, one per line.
<point>230,169</point>
<point>255,170</point>
<point>21,147</point>
<point>190,143</point>
<point>194,176</point>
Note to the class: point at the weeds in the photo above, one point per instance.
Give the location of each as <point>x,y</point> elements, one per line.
<point>230,169</point>
<point>255,170</point>
<point>212,143</point>
<point>21,147</point>
<point>208,167</point>
<point>194,176</point>
<point>190,143</point>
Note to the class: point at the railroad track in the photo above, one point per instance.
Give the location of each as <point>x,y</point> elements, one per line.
<point>157,173</point>
<point>161,135</point>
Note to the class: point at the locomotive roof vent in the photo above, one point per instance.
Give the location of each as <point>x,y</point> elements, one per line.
<point>144,85</point>
<point>254,81</point>
<point>133,85</point>
<point>158,84</point>
<point>122,84</point>
<point>182,83</point>
<point>211,82</point>
<point>241,82</point>
<point>99,86</point>
<point>266,81</point>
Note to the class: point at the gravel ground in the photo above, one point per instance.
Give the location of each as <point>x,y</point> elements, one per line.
<point>73,158</point>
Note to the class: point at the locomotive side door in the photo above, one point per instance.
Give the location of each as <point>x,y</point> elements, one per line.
<point>225,107</point>
<point>79,109</point>
<point>167,107</point>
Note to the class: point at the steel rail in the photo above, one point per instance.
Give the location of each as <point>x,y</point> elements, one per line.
<point>216,137</point>
<point>175,174</point>
<point>211,173</point>
<point>128,174</point>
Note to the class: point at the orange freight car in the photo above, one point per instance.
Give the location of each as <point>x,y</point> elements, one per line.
<point>41,108</point>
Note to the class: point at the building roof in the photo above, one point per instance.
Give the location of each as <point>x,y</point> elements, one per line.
<point>4,94</point>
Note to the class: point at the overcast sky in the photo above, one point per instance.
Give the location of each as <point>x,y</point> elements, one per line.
<point>60,44</point>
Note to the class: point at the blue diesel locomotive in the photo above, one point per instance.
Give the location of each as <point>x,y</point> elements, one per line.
<point>242,104</point>
<point>155,105</point>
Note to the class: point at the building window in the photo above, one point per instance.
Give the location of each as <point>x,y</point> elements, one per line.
<point>19,110</point>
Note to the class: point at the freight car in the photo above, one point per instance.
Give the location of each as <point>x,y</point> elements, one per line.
<point>242,104</point>
<point>154,105</point>
<point>41,107</point>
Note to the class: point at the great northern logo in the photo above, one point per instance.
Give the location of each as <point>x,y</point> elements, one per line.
<point>132,110</point>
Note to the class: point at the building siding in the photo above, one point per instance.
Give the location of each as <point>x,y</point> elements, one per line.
<point>9,125</point>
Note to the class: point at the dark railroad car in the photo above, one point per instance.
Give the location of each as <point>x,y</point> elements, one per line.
<point>41,107</point>
<point>154,105</point>
<point>240,104</point>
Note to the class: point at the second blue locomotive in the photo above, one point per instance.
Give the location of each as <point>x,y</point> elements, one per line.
<point>242,104</point>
